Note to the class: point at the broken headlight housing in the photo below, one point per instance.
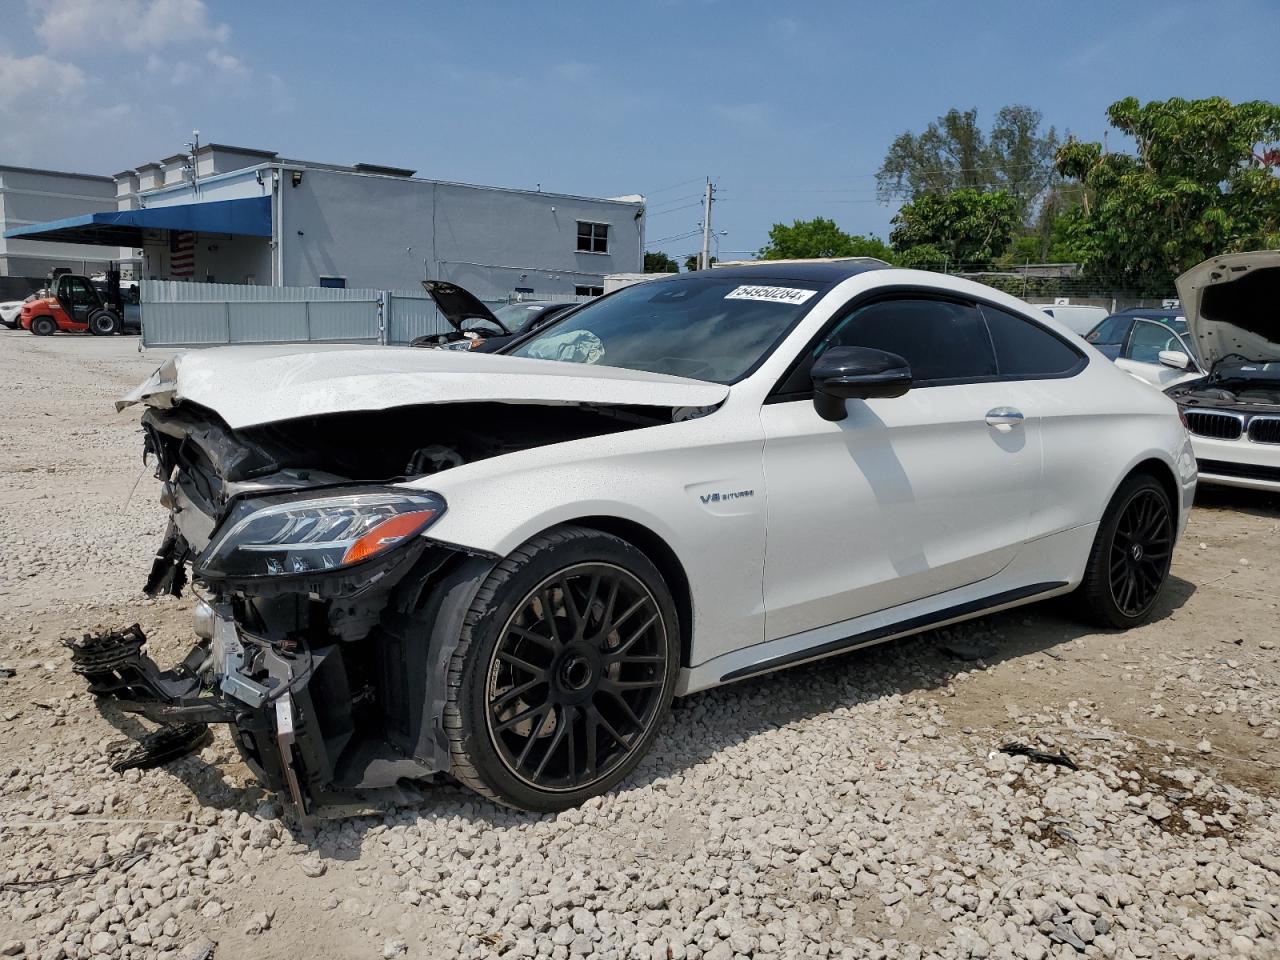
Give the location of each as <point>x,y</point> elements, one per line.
<point>298,535</point>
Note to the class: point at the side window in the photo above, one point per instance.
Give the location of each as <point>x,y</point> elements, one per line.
<point>1147,340</point>
<point>940,340</point>
<point>78,291</point>
<point>1026,350</point>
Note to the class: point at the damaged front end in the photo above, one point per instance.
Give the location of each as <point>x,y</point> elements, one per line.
<point>320,598</point>
<point>327,615</point>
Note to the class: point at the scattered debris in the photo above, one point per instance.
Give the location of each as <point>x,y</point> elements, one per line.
<point>159,747</point>
<point>1063,933</point>
<point>1039,756</point>
<point>121,863</point>
<point>96,656</point>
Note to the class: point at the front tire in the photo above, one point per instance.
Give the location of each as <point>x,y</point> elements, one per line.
<point>1131,554</point>
<point>104,323</point>
<point>44,326</point>
<point>564,671</point>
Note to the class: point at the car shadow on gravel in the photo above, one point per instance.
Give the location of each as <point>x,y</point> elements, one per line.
<point>1255,503</point>
<point>917,663</point>
<point>702,724</point>
<point>207,782</point>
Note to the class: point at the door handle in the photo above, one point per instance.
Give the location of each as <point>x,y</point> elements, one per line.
<point>1004,418</point>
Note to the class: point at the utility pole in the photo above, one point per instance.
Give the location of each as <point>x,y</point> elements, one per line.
<point>704,256</point>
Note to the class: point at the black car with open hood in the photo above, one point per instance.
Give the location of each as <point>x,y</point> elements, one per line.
<point>476,326</point>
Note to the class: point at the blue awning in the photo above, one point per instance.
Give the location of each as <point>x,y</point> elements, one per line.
<point>250,217</point>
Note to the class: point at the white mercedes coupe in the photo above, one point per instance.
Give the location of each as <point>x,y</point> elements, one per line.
<point>504,566</point>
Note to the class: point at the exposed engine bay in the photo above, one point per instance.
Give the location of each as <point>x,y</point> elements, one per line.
<point>1235,383</point>
<point>331,669</point>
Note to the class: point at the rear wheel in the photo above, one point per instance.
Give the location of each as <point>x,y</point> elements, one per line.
<point>44,326</point>
<point>1131,554</point>
<point>564,671</point>
<point>103,323</point>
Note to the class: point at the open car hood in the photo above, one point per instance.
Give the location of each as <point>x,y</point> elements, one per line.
<point>252,385</point>
<point>458,304</point>
<point>1232,306</point>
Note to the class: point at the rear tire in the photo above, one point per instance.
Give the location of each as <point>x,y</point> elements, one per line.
<point>563,673</point>
<point>44,326</point>
<point>1129,562</point>
<point>104,323</point>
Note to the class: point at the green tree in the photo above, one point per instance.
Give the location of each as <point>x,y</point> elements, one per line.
<point>659,262</point>
<point>923,256</point>
<point>819,237</point>
<point>969,227</point>
<point>953,153</point>
<point>691,262</point>
<point>1203,181</point>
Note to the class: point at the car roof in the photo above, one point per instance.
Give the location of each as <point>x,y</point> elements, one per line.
<point>814,271</point>
<point>1149,312</point>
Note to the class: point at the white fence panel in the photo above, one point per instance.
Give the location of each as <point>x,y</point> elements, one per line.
<point>177,313</point>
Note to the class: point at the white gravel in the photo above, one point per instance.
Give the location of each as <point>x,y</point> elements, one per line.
<point>858,808</point>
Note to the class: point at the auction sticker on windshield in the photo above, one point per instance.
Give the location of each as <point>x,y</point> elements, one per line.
<point>771,294</point>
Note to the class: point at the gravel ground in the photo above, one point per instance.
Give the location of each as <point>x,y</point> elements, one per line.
<point>852,809</point>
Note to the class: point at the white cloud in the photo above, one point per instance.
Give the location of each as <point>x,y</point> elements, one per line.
<point>134,25</point>
<point>29,83</point>
<point>30,89</point>
<point>227,63</point>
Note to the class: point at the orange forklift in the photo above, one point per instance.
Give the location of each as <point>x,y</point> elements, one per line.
<point>73,304</point>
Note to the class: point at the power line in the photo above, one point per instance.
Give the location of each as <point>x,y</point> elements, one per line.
<point>673,186</point>
<point>679,236</point>
<point>663,213</point>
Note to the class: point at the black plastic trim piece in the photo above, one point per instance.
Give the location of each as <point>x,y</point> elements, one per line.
<point>910,625</point>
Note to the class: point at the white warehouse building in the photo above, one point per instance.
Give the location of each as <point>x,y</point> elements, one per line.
<point>227,214</point>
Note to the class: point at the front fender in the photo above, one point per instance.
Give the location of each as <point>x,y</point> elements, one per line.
<point>700,491</point>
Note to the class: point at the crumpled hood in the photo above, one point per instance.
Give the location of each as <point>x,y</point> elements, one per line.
<point>251,385</point>
<point>1232,305</point>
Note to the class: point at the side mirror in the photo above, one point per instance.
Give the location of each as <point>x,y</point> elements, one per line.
<point>1175,358</point>
<point>861,372</point>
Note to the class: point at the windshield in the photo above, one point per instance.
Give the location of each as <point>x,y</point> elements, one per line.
<point>515,315</point>
<point>706,328</point>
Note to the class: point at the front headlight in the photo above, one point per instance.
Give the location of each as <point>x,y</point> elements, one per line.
<point>290,536</point>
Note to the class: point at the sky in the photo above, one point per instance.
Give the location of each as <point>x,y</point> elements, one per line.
<point>788,107</point>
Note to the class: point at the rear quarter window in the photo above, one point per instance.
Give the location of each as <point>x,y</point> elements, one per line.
<point>1026,350</point>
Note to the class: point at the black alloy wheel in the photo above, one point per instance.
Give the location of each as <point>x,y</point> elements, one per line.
<point>576,677</point>
<point>564,669</point>
<point>1140,552</point>
<point>1131,554</point>
<point>44,326</point>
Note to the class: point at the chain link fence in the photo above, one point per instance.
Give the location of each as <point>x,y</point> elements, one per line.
<point>1048,283</point>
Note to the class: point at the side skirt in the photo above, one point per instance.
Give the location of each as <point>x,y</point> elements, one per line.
<point>878,632</point>
<point>888,631</point>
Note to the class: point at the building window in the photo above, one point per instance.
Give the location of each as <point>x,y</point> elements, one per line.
<point>582,291</point>
<point>339,282</point>
<point>593,237</point>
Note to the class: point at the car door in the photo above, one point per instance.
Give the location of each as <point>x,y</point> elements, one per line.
<point>906,497</point>
<point>77,298</point>
<point>1140,354</point>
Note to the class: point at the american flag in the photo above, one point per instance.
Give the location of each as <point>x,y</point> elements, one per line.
<point>182,254</point>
